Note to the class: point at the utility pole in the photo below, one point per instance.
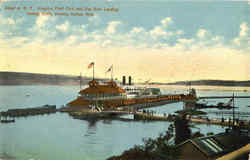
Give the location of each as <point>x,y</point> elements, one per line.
<point>80,80</point>
<point>112,73</point>
<point>93,71</point>
<point>233,111</point>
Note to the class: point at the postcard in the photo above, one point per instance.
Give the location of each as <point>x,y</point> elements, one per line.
<point>123,79</point>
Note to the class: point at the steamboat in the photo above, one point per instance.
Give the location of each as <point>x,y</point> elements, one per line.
<point>111,96</point>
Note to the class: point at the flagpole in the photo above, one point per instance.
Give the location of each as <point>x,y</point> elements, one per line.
<point>93,71</point>
<point>112,73</point>
<point>233,110</point>
<point>80,80</point>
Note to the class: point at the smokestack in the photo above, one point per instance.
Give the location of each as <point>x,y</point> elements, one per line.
<point>123,80</point>
<point>129,80</point>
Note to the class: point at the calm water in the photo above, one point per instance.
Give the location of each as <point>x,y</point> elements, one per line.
<point>59,137</point>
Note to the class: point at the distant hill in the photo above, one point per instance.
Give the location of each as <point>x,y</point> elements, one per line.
<point>213,83</point>
<point>21,78</point>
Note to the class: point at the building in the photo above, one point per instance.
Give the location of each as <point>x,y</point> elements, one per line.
<point>109,95</point>
<point>98,93</point>
<point>213,147</point>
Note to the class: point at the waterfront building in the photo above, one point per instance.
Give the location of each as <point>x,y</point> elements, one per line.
<point>109,95</point>
<point>97,93</point>
<point>214,147</point>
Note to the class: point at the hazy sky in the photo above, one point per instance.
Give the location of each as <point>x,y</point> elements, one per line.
<point>159,40</point>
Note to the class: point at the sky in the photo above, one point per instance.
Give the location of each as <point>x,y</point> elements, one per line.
<point>161,41</point>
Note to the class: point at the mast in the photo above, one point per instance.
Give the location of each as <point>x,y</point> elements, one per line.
<point>112,73</point>
<point>93,71</point>
<point>110,70</point>
<point>92,65</point>
<point>80,80</point>
<point>233,111</point>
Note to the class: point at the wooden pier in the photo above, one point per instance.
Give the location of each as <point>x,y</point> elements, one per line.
<point>150,116</point>
<point>230,113</point>
<point>219,97</point>
<point>9,115</point>
<point>199,120</point>
<point>93,115</point>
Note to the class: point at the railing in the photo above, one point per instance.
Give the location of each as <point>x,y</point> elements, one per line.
<point>215,97</point>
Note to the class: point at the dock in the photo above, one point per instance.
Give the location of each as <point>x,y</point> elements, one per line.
<point>230,113</point>
<point>153,104</point>
<point>150,116</point>
<point>219,97</point>
<point>9,115</point>
<point>198,120</point>
<point>92,115</point>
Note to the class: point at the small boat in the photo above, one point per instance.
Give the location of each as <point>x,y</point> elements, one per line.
<point>248,106</point>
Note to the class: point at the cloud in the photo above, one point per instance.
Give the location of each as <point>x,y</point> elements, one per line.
<point>165,34</point>
<point>202,33</point>
<point>185,41</point>
<point>106,43</point>
<point>11,21</point>
<point>7,21</point>
<point>244,29</point>
<point>41,21</point>
<point>166,21</point>
<point>12,42</point>
<point>71,40</point>
<point>51,40</point>
<point>95,20</point>
<point>43,29</point>
<point>10,25</point>
<point>112,27</point>
<point>136,30</point>
<point>159,31</point>
<point>179,32</point>
<point>242,41</point>
<point>161,43</point>
<point>63,27</point>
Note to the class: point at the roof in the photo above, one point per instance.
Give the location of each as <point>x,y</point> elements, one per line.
<point>208,145</point>
<point>236,154</point>
<point>95,88</point>
<point>79,102</point>
<point>219,144</point>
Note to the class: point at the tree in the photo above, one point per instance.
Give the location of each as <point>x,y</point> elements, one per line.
<point>182,130</point>
<point>152,149</point>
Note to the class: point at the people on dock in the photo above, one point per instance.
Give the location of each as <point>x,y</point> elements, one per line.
<point>208,119</point>
<point>222,120</point>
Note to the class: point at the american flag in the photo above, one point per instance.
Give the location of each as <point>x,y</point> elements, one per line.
<point>110,68</point>
<point>91,65</point>
<point>230,102</point>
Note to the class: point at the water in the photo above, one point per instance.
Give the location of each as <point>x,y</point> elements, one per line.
<point>59,136</point>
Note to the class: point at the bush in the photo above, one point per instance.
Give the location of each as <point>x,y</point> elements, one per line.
<point>152,149</point>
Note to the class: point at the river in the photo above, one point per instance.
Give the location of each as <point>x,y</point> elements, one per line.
<point>59,136</point>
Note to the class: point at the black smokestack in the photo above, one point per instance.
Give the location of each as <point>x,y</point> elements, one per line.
<point>123,80</point>
<point>129,80</point>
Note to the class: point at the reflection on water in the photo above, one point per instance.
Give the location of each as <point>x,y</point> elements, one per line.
<point>59,136</point>
<point>91,128</point>
<point>107,121</point>
<point>92,124</point>
<point>6,156</point>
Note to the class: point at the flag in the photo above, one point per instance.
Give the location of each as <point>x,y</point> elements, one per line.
<point>230,102</point>
<point>91,65</point>
<point>110,68</point>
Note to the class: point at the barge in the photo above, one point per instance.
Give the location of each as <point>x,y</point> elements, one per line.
<point>23,112</point>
